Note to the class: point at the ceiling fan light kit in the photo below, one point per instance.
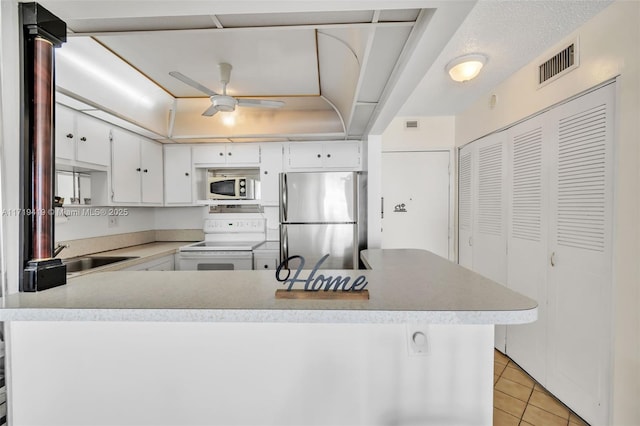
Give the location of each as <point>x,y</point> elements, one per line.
<point>223,102</point>
<point>467,67</point>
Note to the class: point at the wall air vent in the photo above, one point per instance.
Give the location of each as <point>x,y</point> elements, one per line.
<point>559,64</point>
<point>411,124</point>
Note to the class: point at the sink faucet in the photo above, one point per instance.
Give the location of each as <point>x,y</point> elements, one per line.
<point>59,248</point>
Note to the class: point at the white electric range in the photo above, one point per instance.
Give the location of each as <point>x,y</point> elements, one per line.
<point>228,245</point>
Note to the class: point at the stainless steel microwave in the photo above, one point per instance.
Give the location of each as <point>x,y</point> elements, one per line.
<point>230,188</point>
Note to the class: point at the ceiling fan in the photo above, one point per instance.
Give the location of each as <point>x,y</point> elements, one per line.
<point>224,102</point>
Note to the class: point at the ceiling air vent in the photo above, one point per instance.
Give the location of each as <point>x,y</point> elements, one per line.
<point>411,124</point>
<point>559,64</point>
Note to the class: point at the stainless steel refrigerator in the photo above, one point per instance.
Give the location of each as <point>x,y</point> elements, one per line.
<point>323,213</point>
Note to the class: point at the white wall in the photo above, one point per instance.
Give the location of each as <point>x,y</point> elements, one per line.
<point>132,219</point>
<point>179,217</point>
<point>9,90</point>
<point>609,47</point>
<point>432,133</point>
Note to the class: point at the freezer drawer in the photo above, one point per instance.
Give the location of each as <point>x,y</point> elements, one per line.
<point>318,197</point>
<point>312,241</point>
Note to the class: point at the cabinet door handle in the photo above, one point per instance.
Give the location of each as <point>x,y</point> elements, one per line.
<point>221,154</point>
<point>83,139</point>
<point>553,258</point>
<point>229,153</point>
<point>70,135</point>
<point>146,170</point>
<point>186,174</point>
<point>471,241</point>
<point>138,169</point>
<point>319,156</point>
<point>328,155</point>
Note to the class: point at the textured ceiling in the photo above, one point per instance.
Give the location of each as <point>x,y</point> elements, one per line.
<point>511,34</point>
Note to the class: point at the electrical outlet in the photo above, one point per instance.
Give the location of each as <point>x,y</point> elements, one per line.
<point>417,340</point>
<point>113,221</point>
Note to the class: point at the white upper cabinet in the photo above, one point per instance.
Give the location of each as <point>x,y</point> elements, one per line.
<point>151,175</point>
<point>137,170</point>
<point>92,140</point>
<point>270,168</point>
<point>228,153</point>
<point>177,175</point>
<point>323,155</point>
<point>65,133</point>
<point>125,170</point>
<point>80,139</point>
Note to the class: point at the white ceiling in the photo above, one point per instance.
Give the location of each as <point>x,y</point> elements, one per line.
<point>511,34</point>
<point>367,60</point>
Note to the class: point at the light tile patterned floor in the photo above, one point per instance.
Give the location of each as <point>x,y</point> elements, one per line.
<point>518,400</point>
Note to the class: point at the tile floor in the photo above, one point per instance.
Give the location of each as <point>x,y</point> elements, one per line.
<point>518,400</point>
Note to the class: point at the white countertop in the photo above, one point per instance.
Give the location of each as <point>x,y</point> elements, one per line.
<point>405,286</point>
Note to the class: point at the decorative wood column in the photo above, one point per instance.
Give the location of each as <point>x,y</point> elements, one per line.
<point>42,32</point>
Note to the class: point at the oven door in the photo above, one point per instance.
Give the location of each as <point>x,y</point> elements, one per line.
<point>211,260</point>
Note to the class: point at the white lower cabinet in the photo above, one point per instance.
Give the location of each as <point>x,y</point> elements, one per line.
<point>136,170</point>
<point>558,243</point>
<point>165,263</point>
<point>267,256</point>
<point>266,262</point>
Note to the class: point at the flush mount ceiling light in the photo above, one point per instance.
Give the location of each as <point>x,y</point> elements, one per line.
<point>466,67</point>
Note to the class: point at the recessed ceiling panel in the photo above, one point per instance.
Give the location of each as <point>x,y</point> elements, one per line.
<point>150,23</point>
<point>360,119</point>
<point>287,19</point>
<point>399,15</point>
<point>387,46</point>
<point>265,62</point>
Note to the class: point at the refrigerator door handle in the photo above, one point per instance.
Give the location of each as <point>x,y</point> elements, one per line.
<point>283,191</point>
<point>284,238</point>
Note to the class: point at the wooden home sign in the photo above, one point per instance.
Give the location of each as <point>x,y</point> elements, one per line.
<point>319,286</point>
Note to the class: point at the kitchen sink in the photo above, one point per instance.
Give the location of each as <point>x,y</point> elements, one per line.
<point>84,263</point>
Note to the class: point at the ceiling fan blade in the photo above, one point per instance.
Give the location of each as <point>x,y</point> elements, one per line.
<point>259,103</point>
<point>211,111</point>
<point>186,80</point>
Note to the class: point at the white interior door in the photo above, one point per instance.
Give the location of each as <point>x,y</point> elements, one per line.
<point>465,207</point>
<point>415,189</point>
<point>580,254</point>
<point>527,239</point>
<point>490,215</point>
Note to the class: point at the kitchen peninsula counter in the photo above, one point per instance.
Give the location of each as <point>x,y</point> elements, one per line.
<point>217,348</point>
<point>404,286</point>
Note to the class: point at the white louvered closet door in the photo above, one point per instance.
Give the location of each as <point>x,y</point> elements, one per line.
<point>490,213</point>
<point>527,238</point>
<point>489,227</point>
<point>580,254</point>
<point>465,206</point>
